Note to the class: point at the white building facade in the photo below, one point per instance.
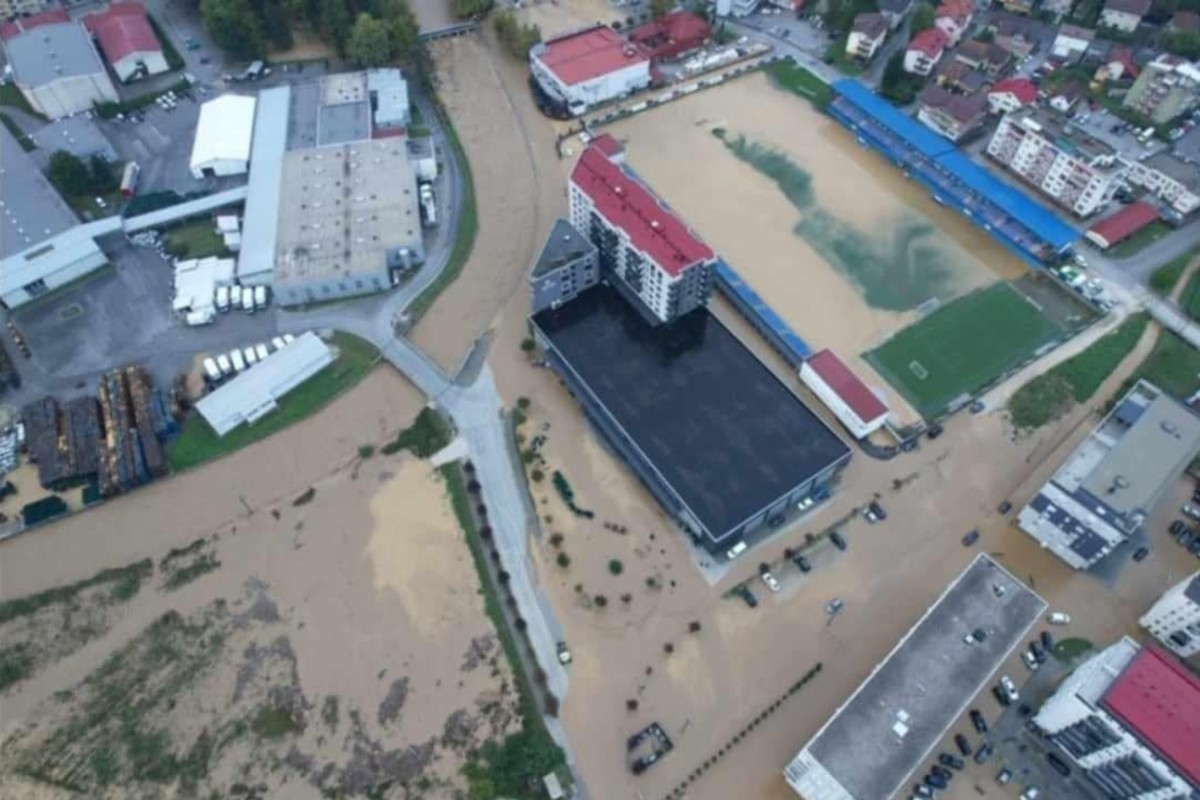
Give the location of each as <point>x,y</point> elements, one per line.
<point>589,67</point>
<point>1172,180</point>
<point>850,400</point>
<point>1082,177</point>
<point>1175,619</point>
<point>223,137</point>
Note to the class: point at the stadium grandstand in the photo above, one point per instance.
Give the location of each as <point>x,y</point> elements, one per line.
<point>764,319</point>
<point>954,179</point>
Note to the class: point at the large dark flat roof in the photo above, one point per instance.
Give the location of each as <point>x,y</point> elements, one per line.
<point>727,435</point>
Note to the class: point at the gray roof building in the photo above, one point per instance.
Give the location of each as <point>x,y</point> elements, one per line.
<point>57,68</point>
<point>78,135</point>
<point>1106,488</point>
<point>257,255</point>
<point>892,722</point>
<point>389,92</point>
<point>31,210</point>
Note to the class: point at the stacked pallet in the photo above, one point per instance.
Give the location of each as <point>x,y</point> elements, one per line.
<point>148,419</point>
<point>63,442</point>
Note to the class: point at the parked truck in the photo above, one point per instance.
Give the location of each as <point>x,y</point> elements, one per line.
<point>260,297</point>
<point>428,205</point>
<point>212,372</point>
<point>221,300</point>
<point>239,363</point>
<point>224,364</point>
<point>248,300</point>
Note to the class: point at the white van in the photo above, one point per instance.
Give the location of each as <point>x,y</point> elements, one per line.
<point>261,351</point>
<point>224,365</point>
<point>260,297</point>
<point>222,299</point>
<point>235,296</point>
<point>239,363</point>
<point>250,356</point>
<point>248,300</point>
<point>736,551</point>
<point>211,372</point>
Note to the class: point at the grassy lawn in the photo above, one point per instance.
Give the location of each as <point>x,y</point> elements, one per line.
<point>962,347</point>
<point>1189,298</point>
<point>1070,650</point>
<point>1173,366</point>
<point>464,238</point>
<point>787,74</point>
<point>26,143</point>
<point>198,443</point>
<point>1163,279</point>
<point>196,239</point>
<point>1136,243</point>
<point>1048,396</point>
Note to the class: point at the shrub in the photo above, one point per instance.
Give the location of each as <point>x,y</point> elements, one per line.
<point>503,577</point>
<point>536,475</point>
<point>473,487</point>
<point>563,560</point>
<point>694,626</point>
<point>305,497</point>
<point>520,624</point>
<point>631,704</point>
<point>365,451</point>
<point>485,532</point>
<point>668,648</point>
<point>627,598</point>
<point>615,567</point>
<point>481,510</point>
<point>556,539</point>
<point>600,600</point>
<point>528,345</point>
<point>523,403</point>
<point>551,705</point>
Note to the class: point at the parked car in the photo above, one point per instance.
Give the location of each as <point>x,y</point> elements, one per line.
<point>1190,510</point>
<point>970,538</point>
<point>736,551</point>
<point>962,743</point>
<point>1029,660</point>
<point>1060,766</point>
<point>1031,793</point>
<point>937,781</point>
<point>749,597</point>
<point>1010,688</point>
<point>1141,553</point>
<point>881,515</point>
<point>935,430</point>
<point>1059,618</point>
<point>802,563</point>
<point>978,721</point>
<point>770,581</point>
<point>1178,527</point>
<point>1001,696</point>
<point>1004,776</point>
<point>984,753</point>
<point>839,541</point>
<point>942,773</point>
<point>1004,507</point>
<point>1038,653</point>
<point>921,790</point>
<point>951,760</point>
<point>1047,641</point>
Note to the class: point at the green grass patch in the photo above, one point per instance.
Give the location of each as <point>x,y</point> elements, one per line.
<point>1173,366</point>
<point>198,566</point>
<point>962,347</point>
<point>1163,279</point>
<point>790,76</point>
<point>197,443</point>
<point>1140,240</point>
<point>429,433</point>
<point>1189,298</point>
<point>16,664</point>
<point>509,767</point>
<point>464,237</point>
<point>1048,396</point>
<point>27,144</point>
<point>1070,650</point>
<point>196,239</point>
<point>11,96</point>
<point>124,577</point>
<point>273,723</point>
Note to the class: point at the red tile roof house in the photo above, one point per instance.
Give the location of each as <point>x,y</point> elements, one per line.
<point>127,41</point>
<point>954,17</point>
<point>925,51</point>
<point>843,393</point>
<point>1118,227</point>
<point>672,36</point>
<point>1009,95</point>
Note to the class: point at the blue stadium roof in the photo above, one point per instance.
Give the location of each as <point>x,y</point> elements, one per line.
<point>923,139</point>
<point>1017,204</point>
<point>798,347</point>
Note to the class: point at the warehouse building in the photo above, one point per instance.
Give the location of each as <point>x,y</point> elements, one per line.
<point>1075,170</point>
<point>649,254</point>
<point>586,68</point>
<point>223,137</point>
<point>256,392</point>
<point>389,98</point>
<point>1107,487</point>
<point>1175,619</point>
<point>256,258</point>
<point>952,178</point>
<point>31,209</point>
<point>55,65</point>
<point>893,721</point>
<point>1129,718</point>
<point>78,135</point>
<point>348,220</point>
<point>567,266</point>
<point>1121,224</point>
<point>128,41</point>
<point>844,393</point>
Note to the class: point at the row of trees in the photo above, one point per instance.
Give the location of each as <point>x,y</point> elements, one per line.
<point>515,37</point>
<point>75,178</point>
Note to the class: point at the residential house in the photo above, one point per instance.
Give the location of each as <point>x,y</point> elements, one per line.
<point>986,57</point>
<point>895,11</point>
<point>1067,95</point>
<point>1124,15</point>
<point>955,75</point>
<point>954,17</point>
<point>925,51</point>
<point>954,116</point>
<point>1119,66</point>
<point>1019,6</point>
<point>1171,179</point>
<point>1168,86</point>
<point>1057,8</point>
<point>1016,34</point>
<point>866,36</point>
<point>1071,42</point>
<point>1009,95</point>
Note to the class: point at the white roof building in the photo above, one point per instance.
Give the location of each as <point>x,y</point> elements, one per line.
<point>256,392</point>
<point>196,282</point>
<point>390,93</point>
<point>223,136</point>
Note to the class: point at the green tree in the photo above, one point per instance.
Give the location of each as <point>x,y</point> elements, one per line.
<point>839,14</point>
<point>103,177</point>
<point>276,27</point>
<point>233,26</point>
<point>68,174</point>
<point>921,19</point>
<point>895,84</point>
<point>465,9</point>
<point>336,24</point>
<point>1183,43</point>
<point>660,8</point>
<point>370,44</point>
<point>516,40</point>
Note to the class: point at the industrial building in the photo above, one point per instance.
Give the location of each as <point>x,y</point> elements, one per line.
<point>1106,488</point>
<point>893,721</point>
<point>128,41</point>
<point>585,68</point>
<point>55,65</point>
<point>844,393</point>
<point>954,180</point>
<point>1172,180</point>
<point>389,98</point>
<point>1175,618</point>
<point>652,257</point>
<point>223,137</point>
<point>1121,224</point>
<point>1129,718</point>
<point>1075,170</point>
<point>567,266</point>
<point>256,259</point>
<point>77,135</point>
<point>256,392</point>
<point>724,464</point>
<point>1168,86</point>
<point>348,218</point>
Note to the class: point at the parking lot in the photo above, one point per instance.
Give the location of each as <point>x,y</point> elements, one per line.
<point>161,144</point>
